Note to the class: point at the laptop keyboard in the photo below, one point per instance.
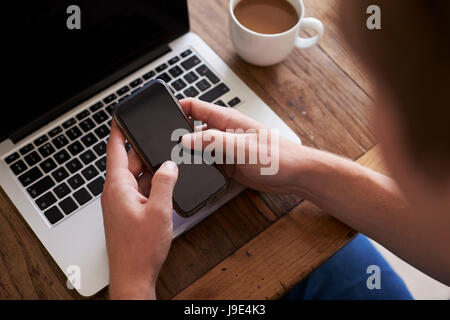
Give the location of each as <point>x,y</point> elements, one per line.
<point>64,170</point>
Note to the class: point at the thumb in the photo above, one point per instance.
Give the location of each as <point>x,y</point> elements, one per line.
<point>163,183</point>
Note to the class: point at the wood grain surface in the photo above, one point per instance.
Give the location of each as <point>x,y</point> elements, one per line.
<point>258,245</point>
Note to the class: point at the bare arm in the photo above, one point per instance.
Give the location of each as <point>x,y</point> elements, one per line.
<point>372,204</point>
<point>365,200</point>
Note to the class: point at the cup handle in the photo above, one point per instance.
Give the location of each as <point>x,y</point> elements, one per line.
<point>312,23</point>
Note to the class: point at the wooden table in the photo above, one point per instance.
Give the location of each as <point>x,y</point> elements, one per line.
<point>258,245</point>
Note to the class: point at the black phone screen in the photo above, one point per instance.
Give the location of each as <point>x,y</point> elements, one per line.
<point>149,119</point>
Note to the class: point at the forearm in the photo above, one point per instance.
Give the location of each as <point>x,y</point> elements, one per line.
<point>121,288</point>
<point>372,204</point>
<point>128,283</point>
<point>359,197</point>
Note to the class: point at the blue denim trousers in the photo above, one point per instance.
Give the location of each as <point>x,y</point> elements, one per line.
<point>346,276</point>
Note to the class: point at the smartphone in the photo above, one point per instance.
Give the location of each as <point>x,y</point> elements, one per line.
<point>148,120</point>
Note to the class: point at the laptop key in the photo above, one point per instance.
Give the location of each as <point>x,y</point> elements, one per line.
<point>62,156</point>
<point>109,108</point>
<point>60,141</point>
<point>178,85</point>
<point>11,158</point>
<point>18,167</point>
<point>212,77</point>
<point>40,187</point>
<point>26,149</point>
<point>87,125</point>
<point>233,102</point>
<point>220,103</point>
<point>89,173</point>
<point>214,93</point>
<point>205,71</point>
<point>149,75</point>
<point>87,157</point>
<point>191,92</point>
<point>100,116</point>
<point>175,71</point>
<point>53,215</point>
<point>61,190</point>
<point>75,148</point>
<point>202,70</point>
<point>45,201</point>
<point>123,90</point>
<point>48,165</point>
<point>96,186</point>
<point>190,63</point>
<point>102,131</point>
<point>83,114</point>
<point>68,123</point>
<point>164,77</point>
<point>179,96</point>
<point>73,133</point>
<point>110,98</point>
<point>74,165</point>
<point>30,176</point>
<point>191,77</point>
<point>161,67</point>
<point>54,131</point>
<point>82,196</point>
<point>135,83</point>
<point>203,85</point>
<point>68,205</point>
<point>32,158</point>
<point>89,139</point>
<point>96,106</point>
<point>184,54</point>
<point>40,140</point>
<point>101,164</point>
<point>76,181</point>
<point>174,60</point>
<point>100,148</point>
<point>60,174</point>
<point>46,150</point>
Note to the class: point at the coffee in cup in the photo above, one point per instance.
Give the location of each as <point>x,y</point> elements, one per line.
<point>266,16</point>
<point>264,32</point>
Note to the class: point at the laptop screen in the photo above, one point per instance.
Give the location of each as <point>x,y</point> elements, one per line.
<point>49,63</point>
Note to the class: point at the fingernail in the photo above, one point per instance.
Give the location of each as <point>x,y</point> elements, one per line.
<point>202,127</point>
<point>170,165</point>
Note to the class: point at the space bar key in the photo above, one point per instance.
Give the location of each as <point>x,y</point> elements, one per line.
<point>214,93</point>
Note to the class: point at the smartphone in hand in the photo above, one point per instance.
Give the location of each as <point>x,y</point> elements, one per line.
<point>148,120</point>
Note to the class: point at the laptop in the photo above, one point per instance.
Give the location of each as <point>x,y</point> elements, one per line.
<point>53,136</point>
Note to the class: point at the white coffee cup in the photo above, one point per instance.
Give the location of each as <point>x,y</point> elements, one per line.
<point>268,49</point>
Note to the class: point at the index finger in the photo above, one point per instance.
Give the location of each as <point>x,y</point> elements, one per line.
<point>116,155</point>
<point>218,117</point>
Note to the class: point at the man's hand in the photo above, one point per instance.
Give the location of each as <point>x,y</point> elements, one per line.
<point>137,220</point>
<point>219,119</point>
